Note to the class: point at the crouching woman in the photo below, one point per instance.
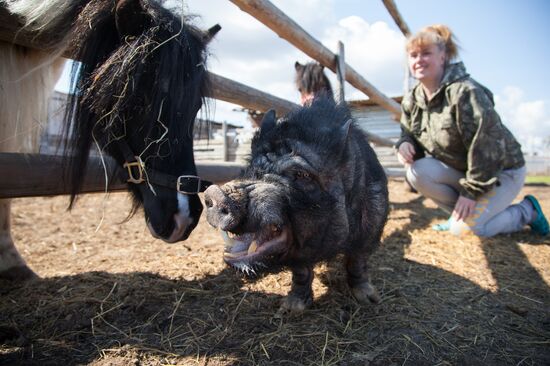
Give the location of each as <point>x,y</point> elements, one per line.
<point>475,167</point>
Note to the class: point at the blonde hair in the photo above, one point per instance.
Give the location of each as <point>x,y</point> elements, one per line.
<point>437,34</point>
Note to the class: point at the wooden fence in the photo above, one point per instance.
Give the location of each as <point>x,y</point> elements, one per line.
<point>27,174</point>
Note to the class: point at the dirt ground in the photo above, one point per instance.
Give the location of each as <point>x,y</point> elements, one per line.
<point>110,294</point>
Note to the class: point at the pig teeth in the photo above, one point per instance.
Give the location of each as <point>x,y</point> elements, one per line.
<point>229,242</point>
<point>252,248</point>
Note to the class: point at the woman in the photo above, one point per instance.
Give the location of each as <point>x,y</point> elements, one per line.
<point>476,167</point>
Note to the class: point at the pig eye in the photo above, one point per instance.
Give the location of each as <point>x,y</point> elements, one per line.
<point>299,176</point>
<point>302,175</point>
<point>302,180</point>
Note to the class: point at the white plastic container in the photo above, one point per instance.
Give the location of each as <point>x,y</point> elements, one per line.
<point>459,228</point>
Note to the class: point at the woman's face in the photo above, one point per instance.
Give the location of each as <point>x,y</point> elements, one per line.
<point>427,64</point>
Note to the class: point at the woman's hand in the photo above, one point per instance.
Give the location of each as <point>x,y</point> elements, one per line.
<point>464,207</point>
<point>405,153</point>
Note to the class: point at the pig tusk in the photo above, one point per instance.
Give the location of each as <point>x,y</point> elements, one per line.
<point>252,248</point>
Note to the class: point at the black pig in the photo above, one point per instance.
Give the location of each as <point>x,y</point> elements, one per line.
<point>313,189</point>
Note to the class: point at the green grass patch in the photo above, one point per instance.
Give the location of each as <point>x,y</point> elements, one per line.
<point>538,179</point>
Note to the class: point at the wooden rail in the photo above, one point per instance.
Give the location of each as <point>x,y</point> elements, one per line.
<point>28,175</point>
<point>248,97</point>
<point>397,18</point>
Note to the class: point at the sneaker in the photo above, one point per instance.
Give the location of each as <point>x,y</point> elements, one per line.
<point>540,225</point>
<point>446,226</point>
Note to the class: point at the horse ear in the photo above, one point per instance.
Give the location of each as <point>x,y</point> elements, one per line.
<point>298,66</point>
<point>268,122</point>
<point>130,18</point>
<point>211,32</point>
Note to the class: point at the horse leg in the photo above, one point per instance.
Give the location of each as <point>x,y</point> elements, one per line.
<point>12,265</point>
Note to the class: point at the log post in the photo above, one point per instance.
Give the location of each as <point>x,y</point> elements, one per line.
<point>341,73</point>
<point>225,144</point>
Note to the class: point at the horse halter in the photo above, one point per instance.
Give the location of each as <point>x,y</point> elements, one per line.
<point>136,174</point>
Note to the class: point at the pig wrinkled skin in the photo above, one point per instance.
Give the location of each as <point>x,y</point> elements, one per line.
<point>313,189</point>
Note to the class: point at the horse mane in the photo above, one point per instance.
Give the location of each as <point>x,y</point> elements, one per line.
<point>311,79</point>
<point>157,74</point>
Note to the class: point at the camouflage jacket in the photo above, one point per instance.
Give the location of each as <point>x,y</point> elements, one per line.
<point>460,127</point>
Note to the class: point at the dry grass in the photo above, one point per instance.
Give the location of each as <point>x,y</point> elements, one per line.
<point>116,296</point>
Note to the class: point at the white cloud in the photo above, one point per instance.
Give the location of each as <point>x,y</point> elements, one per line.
<point>529,121</point>
<point>374,50</point>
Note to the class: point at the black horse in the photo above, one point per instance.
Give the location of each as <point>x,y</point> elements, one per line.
<point>139,83</point>
<point>312,83</point>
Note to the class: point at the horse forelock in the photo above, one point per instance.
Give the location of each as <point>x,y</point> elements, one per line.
<point>153,82</point>
<point>312,79</point>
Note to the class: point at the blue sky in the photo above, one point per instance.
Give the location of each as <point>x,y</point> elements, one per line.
<point>503,42</point>
<point>504,46</point>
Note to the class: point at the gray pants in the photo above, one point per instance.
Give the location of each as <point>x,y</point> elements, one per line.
<point>494,213</point>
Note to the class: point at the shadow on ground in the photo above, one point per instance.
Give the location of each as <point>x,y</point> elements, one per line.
<point>428,315</point>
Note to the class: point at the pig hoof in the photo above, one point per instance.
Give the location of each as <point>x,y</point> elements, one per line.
<point>366,293</point>
<point>294,305</point>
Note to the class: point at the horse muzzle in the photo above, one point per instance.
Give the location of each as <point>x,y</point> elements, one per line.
<point>182,228</point>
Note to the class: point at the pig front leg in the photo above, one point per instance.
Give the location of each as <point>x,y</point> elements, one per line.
<point>358,279</point>
<point>301,294</point>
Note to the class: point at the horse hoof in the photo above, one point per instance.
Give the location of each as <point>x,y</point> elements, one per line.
<point>18,274</point>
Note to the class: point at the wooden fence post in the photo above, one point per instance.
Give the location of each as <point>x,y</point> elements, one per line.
<point>341,73</point>
<point>225,144</point>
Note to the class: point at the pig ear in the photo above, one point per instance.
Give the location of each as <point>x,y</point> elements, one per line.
<point>268,122</point>
<point>344,131</point>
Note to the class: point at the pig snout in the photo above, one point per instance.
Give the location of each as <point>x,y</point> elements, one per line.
<point>222,211</point>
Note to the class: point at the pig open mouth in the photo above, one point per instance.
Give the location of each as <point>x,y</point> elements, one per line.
<point>250,249</point>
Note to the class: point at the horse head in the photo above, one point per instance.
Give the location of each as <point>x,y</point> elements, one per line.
<point>141,82</point>
<point>312,82</point>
